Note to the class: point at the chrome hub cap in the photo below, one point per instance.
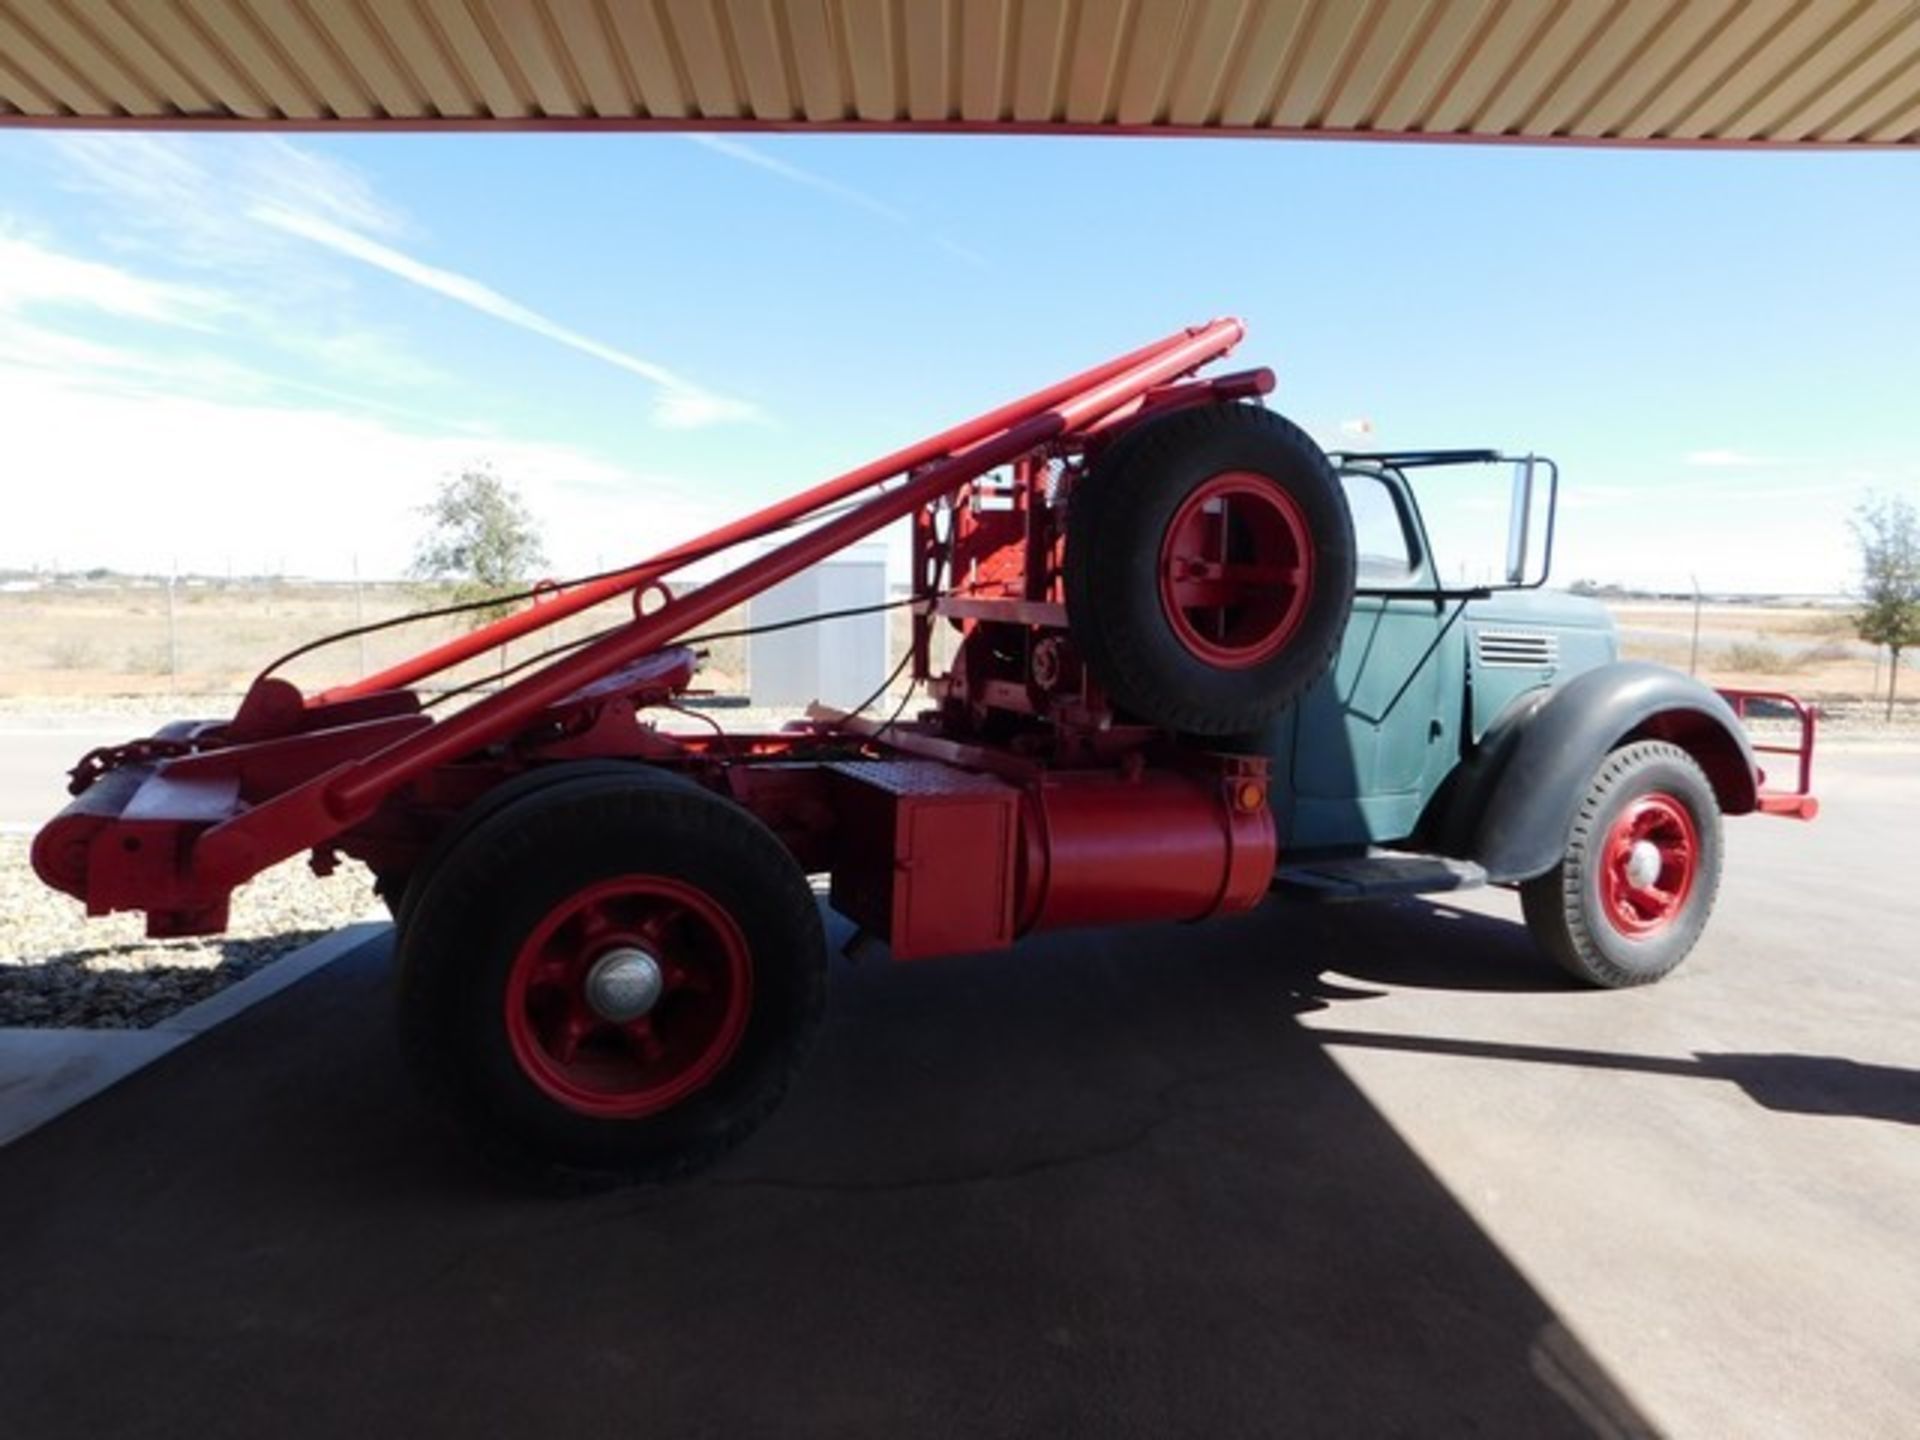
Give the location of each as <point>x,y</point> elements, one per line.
<point>624,984</point>
<point>1643,864</point>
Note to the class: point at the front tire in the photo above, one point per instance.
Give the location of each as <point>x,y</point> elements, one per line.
<point>1637,884</point>
<point>613,978</point>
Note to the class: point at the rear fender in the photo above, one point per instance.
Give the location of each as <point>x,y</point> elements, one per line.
<point>1514,811</point>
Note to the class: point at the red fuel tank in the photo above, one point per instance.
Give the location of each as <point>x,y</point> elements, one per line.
<point>1104,849</point>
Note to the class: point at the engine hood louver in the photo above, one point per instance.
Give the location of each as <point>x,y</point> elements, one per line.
<point>1516,649</point>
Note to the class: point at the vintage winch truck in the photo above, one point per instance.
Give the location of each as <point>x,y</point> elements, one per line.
<point>1173,657</point>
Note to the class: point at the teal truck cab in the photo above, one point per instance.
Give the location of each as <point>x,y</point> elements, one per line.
<point>1490,733</point>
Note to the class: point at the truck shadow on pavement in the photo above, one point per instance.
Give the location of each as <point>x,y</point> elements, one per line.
<point>1099,1185</point>
<point>1422,943</point>
<point>1430,945</point>
<point>1794,1084</point>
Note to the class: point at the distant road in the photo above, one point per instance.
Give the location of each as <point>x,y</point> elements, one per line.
<point>35,758</point>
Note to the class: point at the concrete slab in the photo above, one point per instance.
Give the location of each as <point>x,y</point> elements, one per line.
<point>223,1005</point>
<point>45,1073</point>
<point>35,758</point>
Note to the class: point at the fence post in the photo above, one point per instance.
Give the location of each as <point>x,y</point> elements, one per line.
<point>1693,655</point>
<point>359,614</point>
<point>173,644</point>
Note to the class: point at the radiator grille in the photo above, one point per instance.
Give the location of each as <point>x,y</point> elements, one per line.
<point>1516,649</point>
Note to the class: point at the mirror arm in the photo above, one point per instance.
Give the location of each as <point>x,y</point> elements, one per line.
<point>1389,592</point>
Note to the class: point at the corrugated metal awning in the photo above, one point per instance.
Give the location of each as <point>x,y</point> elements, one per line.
<point>1775,72</point>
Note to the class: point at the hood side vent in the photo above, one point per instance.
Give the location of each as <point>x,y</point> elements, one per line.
<point>1516,649</point>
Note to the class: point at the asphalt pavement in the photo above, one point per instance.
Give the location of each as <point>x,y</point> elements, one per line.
<point>35,758</point>
<point>1320,1171</point>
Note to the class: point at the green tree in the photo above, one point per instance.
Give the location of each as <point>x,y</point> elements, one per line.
<point>1888,532</point>
<point>481,539</point>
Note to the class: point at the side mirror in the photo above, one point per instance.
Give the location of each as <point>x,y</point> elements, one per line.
<point>1520,520</point>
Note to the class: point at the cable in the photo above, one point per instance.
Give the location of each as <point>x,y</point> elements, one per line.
<point>466,607</point>
<point>942,564</point>
<point>704,638</point>
<point>719,730</point>
<point>901,708</point>
<point>884,684</point>
<point>519,665</point>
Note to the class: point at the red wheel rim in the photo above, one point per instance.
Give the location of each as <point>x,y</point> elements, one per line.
<point>1236,570</point>
<point>1647,865</point>
<point>596,1059</point>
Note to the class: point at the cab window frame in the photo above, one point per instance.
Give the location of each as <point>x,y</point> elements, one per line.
<point>1374,580</point>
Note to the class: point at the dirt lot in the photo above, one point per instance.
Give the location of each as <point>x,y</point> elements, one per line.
<point>74,644</point>
<point>1809,650</point>
<point>83,642</point>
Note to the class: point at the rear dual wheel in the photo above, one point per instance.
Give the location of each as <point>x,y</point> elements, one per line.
<point>399,889</point>
<point>612,977</point>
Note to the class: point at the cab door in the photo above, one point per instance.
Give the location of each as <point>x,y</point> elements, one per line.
<point>1373,735</point>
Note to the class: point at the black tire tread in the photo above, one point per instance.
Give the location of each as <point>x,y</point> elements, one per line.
<point>1554,903</point>
<point>401,893</point>
<point>491,853</point>
<point>1111,635</point>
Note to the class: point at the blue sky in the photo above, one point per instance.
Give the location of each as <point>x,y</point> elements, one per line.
<point>260,352</point>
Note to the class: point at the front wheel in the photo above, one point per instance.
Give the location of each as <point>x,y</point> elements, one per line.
<point>1642,867</point>
<point>612,977</point>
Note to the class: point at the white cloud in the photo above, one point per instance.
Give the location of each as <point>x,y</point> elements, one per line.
<point>274,219</point>
<point>36,279</point>
<point>136,433</point>
<point>136,479</point>
<point>826,185</point>
<point>682,404</point>
<point>186,196</point>
<point>1732,460</point>
<point>748,155</point>
<point>124,453</point>
<point>180,202</point>
<point>374,356</point>
<point>32,274</point>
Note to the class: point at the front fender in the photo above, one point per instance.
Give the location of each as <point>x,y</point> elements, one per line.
<point>1522,809</point>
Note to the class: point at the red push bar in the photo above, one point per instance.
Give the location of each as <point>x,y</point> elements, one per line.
<point>307,814</point>
<point>1800,802</point>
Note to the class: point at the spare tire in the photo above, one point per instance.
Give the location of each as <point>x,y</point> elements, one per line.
<point>1209,568</point>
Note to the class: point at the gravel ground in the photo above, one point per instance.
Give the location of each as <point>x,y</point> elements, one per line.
<point>58,968</point>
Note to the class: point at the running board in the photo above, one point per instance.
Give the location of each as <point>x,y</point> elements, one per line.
<point>1384,873</point>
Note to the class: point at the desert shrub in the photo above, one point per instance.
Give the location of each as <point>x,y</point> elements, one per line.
<point>70,652</point>
<point>1754,657</point>
<point>1828,624</point>
<point>1827,652</point>
<point>148,659</point>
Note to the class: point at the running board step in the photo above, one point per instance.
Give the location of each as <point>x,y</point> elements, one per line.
<point>1381,874</point>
